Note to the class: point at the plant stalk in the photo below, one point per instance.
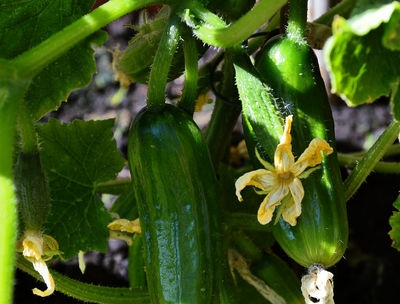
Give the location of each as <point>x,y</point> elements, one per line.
<point>225,114</point>
<point>12,90</point>
<point>189,93</point>
<point>158,77</point>
<point>89,292</point>
<point>351,161</point>
<point>370,159</point>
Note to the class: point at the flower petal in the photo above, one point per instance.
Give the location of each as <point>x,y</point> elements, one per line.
<point>261,178</point>
<point>267,207</point>
<point>33,251</point>
<point>125,225</point>
<point>292,209</point>
<point>312,156</point>
<point>41,267</point>
<point>284,159</point>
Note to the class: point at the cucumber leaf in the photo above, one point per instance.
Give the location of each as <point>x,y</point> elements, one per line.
<point>394,222</point>
<point>76,156</point>
<point>26,23</point>
<point>363,55</point>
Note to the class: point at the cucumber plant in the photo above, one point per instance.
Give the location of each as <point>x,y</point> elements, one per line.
<point>189,239</point>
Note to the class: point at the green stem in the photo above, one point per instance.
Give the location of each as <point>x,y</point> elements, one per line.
<point>297,22</point>
<point>189,93</point>
<point>26,130</point>
<point>12,90</point>
<point>343,9</point>
<point>393,150</point>
<point>34,60</point>
<point>246,246</point>
<point>158,77</point>
<point>225,114</point>
<point>212,30</point>
<point>88,292</point>
<point>136,265</point>
<point>351,161</point>
<point>115,186</point>
<point>370,159</point>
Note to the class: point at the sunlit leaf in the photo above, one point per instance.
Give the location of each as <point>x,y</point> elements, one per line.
<point>363,56</point>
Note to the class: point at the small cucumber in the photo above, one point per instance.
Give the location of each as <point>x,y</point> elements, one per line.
<point>176,190</point>
<point>32,190</point>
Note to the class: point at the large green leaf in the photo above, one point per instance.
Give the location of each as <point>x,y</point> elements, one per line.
<point>363,55</point>
<point>76,156</point>
<point>26,23</point>
<point>394,222</point>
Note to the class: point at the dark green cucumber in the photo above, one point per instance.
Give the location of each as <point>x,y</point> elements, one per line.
<point>175,188</point>
<point>291,70</point>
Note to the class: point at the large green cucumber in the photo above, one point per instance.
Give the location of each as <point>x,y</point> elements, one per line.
<point>293,85</point>
<point>176,190</point>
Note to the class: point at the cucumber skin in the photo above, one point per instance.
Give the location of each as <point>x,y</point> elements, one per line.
<point>32,190</point>
<point>321,234</point>
<point>175,188</point>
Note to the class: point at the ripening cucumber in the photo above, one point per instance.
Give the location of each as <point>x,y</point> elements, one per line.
<point>176,192</point>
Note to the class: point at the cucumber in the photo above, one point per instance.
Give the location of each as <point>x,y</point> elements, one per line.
<point>286,81</point>
<point>291,70</point>
<point>32,190</point>
<point>176,192</point>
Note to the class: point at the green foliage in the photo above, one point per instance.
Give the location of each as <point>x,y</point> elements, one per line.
<point>77,156</point>
<point>71,71</point>
<point>363,54</point>
<point>36,21</point>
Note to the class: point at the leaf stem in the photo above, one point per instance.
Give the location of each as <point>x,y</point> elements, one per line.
<point>370,159</point>
<point>247,246</point>
<point>26,130</point>
<point>343,9</point>
<point>214,31</point>
<point>189,93</point>
<point>225,114</point>
<point>114,186</point>
<point>89,292</point>
<point>34,60</point>
<point>158,77</point>
<point>351,161</point>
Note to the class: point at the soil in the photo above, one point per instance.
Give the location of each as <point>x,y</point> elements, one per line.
<point>368,273</point>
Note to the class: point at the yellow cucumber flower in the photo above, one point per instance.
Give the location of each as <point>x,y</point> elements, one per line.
<point>38,248</point>
<point>281,183</point>
<point>119,227</point>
